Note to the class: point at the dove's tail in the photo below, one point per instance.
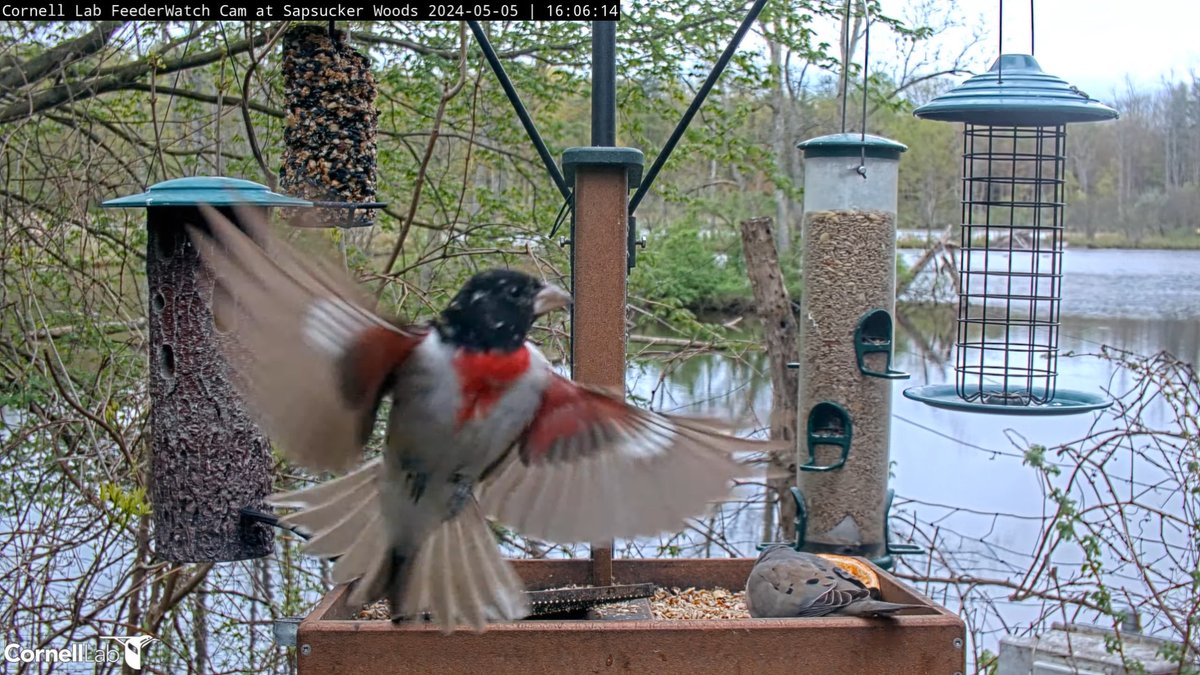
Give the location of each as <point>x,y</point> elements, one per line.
<point>457,575</point>
<point>875,608</point>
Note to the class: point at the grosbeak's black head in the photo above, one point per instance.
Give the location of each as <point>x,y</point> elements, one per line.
<point>495,309</point>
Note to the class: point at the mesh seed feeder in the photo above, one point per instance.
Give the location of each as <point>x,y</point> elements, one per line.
<point>330,130</point>
<point>1010,264</point>
<point>846,332</point>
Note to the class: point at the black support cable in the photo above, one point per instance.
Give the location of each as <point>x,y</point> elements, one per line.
<point>713,76</point>
<point>526,121</point>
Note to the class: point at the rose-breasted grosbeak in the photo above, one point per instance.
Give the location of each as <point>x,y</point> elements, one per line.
<point>475,408</point>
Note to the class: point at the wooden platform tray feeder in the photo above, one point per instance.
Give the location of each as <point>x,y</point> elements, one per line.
<point>930,642</point>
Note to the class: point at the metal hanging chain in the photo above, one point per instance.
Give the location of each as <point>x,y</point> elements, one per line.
<point>862,159</point>
<point>1000,50</point>
<point>846,60</point>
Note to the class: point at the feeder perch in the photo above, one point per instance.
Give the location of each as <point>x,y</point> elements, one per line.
<point>208,458</point>
<point>849,248</point>
<point>885,561</point>
<point>874,336</point>
<point>1014,155</point>
<point>828,424</point>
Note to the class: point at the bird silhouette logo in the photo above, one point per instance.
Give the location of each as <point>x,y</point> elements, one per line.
<point>133,645</point>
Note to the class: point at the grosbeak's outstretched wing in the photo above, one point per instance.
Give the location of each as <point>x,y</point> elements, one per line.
<point>590,467</point>
<point>309,356</point>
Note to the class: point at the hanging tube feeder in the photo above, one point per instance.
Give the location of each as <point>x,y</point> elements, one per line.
<point>1010,263</point>
<point>208,459</point>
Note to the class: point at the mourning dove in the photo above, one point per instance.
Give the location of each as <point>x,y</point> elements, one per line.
<point>787,583</point>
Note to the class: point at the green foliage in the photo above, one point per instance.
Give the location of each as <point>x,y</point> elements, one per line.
<point>987,663</point>
<point>126,503</point>
<point>691,266</point>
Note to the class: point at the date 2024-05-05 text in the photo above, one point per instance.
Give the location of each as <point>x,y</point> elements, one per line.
<point>452,10</point>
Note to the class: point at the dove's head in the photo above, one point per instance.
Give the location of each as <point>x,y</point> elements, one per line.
<point>495,309</point>
<point>775,550</point>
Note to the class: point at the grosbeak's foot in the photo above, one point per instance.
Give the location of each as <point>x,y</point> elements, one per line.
<point>462,494</point>
<point>416,485</point>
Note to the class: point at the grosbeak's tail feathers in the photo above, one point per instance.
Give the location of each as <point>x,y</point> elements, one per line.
<point>459,577</point>
<point>456,576</point>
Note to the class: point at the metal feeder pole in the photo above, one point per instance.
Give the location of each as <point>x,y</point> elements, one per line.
<point>602,175</point>
<point>208,459</point>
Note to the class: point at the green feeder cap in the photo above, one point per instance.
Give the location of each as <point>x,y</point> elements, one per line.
<point>1015,93</point>
<point>213,190</point>
<point>852,145</point>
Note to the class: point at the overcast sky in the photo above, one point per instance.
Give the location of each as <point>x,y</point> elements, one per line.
<point>1094,44</point>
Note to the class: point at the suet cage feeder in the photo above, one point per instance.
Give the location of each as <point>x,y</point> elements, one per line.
<point>1010,262</point>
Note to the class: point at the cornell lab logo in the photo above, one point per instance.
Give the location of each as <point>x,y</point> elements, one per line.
<point>133,647</point>
<point>81,653</point>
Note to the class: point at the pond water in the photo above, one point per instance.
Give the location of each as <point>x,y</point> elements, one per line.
<point>963,474</point>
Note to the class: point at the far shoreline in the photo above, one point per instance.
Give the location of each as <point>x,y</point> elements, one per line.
<point>1100,240</point>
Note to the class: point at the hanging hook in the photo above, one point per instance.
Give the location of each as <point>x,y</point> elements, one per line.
<point>862,158</point>
<point>845,62</point>
<point>1000,62</point>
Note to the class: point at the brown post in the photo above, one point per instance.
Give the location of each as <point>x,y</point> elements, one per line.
<point>208,458</point>
<point>603,177</point>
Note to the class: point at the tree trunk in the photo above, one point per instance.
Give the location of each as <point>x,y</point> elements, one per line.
<point>780,334</point>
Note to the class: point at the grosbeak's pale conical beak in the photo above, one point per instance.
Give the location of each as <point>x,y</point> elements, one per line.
<point>549,299</point>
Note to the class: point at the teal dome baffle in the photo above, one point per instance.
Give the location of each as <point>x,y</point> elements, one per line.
<point>208,458</point>
<point>211,190</point>
<point>1010,265</point>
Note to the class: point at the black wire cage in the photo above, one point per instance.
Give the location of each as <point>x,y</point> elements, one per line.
<point>1010,261</point>
<point>1010,264</point>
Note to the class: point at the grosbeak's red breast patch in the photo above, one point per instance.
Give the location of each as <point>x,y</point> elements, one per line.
<point>484,377</point>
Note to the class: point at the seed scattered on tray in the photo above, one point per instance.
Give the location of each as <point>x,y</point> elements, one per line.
<point>672,604</point>
<point>380,610</point>
<point>699,603</point>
